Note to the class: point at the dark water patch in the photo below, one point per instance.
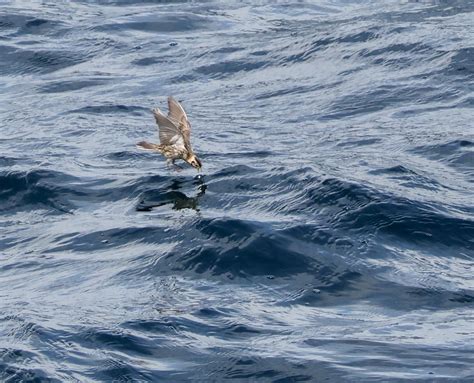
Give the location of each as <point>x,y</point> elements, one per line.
<point>18,328</point>
<point>462,62</point>
<point>184,78</point>
<point>313,234</point>
<point>323,41</point>
<point>463,298</point>
<point>115,340</point>
<point>413,357</point>
<point>161,23</point>
<point>332,286</point>
<point>20,61</point>
<point>244,187</point>
<point>239,330</point>
<point>42,189</point>
<point>228,50</point>
<point>240,249</point>
<point>240,154</point>
<point>413,223</point>
<point>163,326</point>
<point>8,21</point>
<point>467,102</point>
<point>32,265</point>
<point>20,25</point>
<point>399,55</point>
<point>256,154</point>
<point>21,374</point>
<point>15,355</point>
<point>409,112</point>
<point>6,243</point>
<point>297,90</point>
<point>234,171</point>
<point>260,53</point>
<point>123,155</point>
<point>59,192</point>
<point>365,211</point>
<point>108,190</point>
<point>409,178</point>
<point>395,170</point>
<point>7,161</point>
<point>71,85</point>
<point>146,61</point>
<point>324,193</point>
<point>229,68</point>
<point>117,370</point>
<point>358,37</point>
<point>418,48</point>
<point>356,143</point>
<point>112,109</point>
<point>386,96</point>
<point>442,9</point>
<point>272,369</point>
<point>209,312</point>
<point>458,154</point>
<point>337,284</point>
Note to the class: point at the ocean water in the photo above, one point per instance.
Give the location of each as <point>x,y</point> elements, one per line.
<point>329,238</point>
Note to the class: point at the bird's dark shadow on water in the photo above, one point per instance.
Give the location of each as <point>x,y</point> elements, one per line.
<point>171,195</point>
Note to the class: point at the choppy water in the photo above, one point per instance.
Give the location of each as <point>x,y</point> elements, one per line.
<point>330,239</point>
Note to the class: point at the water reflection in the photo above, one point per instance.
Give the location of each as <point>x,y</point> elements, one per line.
<point>173,195</point>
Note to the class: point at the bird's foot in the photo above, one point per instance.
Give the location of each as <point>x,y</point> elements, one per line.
<point>172,166</point>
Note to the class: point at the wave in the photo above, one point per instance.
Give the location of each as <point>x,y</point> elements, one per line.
<point>39,188</point>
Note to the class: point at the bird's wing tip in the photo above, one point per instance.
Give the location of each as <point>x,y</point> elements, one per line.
<point>156,110</point>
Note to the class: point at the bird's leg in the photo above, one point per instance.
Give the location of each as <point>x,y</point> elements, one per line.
<point>172,165</point>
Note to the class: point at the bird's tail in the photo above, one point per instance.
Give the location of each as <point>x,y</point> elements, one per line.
<point>148,146</point>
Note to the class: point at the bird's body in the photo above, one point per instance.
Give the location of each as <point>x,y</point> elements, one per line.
<point>175,135</point>
<point>171,152</point>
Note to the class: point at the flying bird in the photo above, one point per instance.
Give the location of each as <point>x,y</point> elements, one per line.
<point>175,136</point>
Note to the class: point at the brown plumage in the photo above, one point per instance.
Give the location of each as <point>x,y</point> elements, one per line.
<point>175,135</point>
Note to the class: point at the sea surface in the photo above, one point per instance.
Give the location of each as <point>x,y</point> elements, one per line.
<point>330,236</point>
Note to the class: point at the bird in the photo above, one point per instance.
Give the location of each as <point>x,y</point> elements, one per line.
<point>175,136</point>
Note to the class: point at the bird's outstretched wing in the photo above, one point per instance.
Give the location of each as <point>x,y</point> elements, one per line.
<point>147,146</point>
<point>169,133</point>
<point>177,114</point>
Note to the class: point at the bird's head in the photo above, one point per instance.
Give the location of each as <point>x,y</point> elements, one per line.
<point>194,162</point>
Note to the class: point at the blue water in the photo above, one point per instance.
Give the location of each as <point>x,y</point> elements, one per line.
<point>330,238</point>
